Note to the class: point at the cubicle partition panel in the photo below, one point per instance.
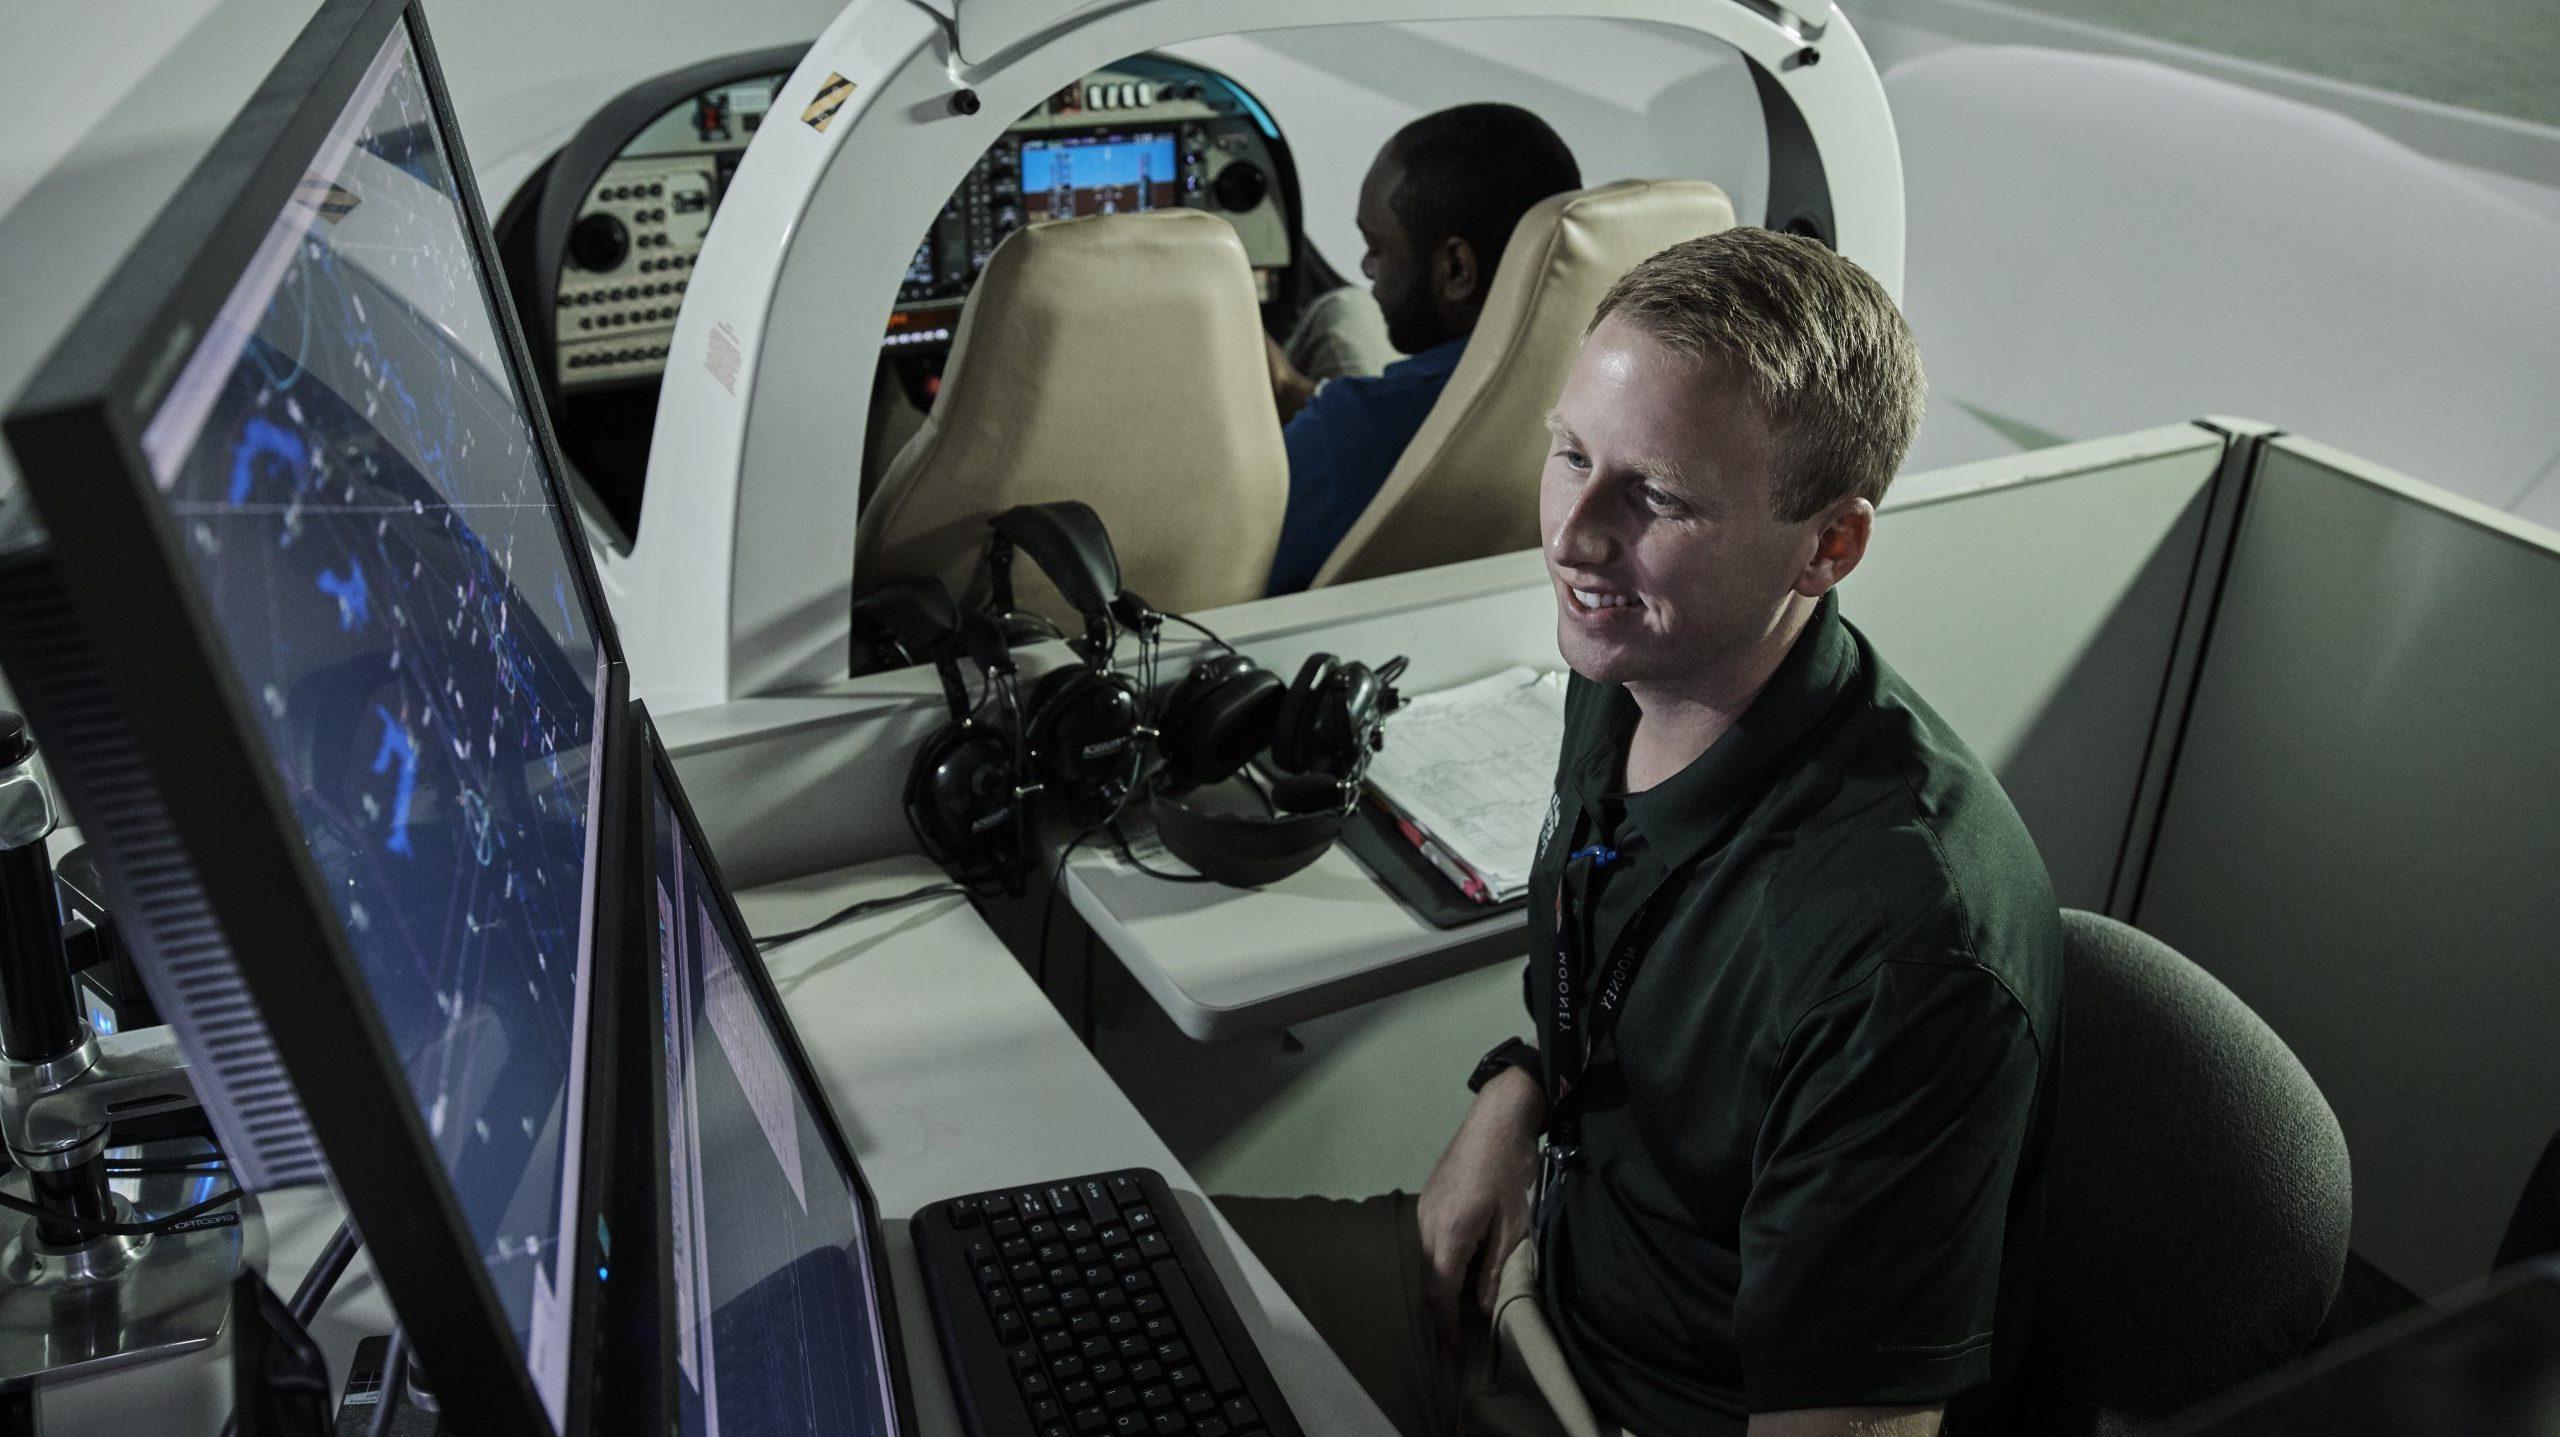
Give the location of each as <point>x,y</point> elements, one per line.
<point>2359,834</point>
<point>2036,603</point>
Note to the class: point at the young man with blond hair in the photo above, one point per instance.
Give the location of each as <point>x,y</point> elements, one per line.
<point>1773,1163</point>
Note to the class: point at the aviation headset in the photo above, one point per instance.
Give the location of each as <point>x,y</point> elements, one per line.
<point>1085,723</point>
<point>968,792</point>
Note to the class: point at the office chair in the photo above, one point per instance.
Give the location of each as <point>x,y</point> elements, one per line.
<point>2197,1195</point>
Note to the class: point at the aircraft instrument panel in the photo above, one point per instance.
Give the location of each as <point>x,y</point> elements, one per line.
<point>1144,134</point>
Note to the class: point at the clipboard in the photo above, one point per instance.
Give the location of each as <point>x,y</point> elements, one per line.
<point>1371,837</point>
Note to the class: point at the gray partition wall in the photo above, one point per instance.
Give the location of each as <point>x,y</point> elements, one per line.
<point>2361,834</point>
<point>2036,602</point>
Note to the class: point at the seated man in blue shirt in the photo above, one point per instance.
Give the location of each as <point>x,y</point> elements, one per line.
<point>1436,209</point>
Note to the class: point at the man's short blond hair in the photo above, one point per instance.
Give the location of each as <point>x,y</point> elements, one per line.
<point>1817,342</point>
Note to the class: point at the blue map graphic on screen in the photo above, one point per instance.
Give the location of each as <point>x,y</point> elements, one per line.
<point>777,1331</point>
<point>1098,174</point>
<point>352,474</point>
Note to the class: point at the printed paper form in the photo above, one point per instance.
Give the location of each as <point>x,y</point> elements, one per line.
<point>1473,767</point>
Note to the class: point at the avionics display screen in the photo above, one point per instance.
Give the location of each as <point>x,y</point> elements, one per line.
<point>1063,178</point>
<point>774,1283</point>
<point>352,475</point>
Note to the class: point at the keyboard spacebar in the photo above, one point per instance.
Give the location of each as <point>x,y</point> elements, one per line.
<point>1206,1343</point>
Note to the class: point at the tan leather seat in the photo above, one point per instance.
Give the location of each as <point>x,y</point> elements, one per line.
<point>1467,485</point>
<point>1117,360</point>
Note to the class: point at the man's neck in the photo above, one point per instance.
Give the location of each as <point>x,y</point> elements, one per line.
<point>1679,720</point>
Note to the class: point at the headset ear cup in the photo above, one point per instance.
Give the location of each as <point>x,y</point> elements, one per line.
<point>961,804</point>
<point>1307,793</point>
<point>1230,724</point>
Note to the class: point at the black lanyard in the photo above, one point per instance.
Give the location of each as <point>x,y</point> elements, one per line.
<point>1574,1035</point>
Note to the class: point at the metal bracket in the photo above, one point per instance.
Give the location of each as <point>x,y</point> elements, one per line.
<point>53,1115</point>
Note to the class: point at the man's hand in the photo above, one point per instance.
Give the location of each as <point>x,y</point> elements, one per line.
<point>1475,1208</point>
<point>1290,390</point>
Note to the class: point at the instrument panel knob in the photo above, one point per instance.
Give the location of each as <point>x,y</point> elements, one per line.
<point>1240,186</point>
<point>598,242</point>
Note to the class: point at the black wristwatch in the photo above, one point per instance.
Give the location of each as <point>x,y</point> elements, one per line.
<point>1511,1053</point>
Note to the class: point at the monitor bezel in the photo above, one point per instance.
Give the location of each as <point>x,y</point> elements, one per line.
<point>804,1074</point>
<point>119,557</point>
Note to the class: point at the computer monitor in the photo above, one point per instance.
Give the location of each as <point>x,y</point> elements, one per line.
<point>781,1302</point>
<point>315,647</point>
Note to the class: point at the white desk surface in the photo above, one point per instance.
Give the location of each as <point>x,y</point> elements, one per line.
<point>949,1072</point>
<point>1223,961</point>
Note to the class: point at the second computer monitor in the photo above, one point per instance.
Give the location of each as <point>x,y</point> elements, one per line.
<point>781,1312</point>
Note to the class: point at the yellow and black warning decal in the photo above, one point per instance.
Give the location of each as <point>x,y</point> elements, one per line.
<point>831,97</point>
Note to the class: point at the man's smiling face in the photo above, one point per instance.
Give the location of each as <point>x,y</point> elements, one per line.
<point>1655,511</point>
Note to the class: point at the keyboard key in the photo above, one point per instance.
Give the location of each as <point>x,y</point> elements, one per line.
<point>1024,1357</point>
<point>1185,1378</point>
<point>1078,1393</point>
<point>1035,1383</point>
<point>1125,1190</point>
<point>1046,1409</point>
<point>1047,1318</point>
<point>1056,1344</point>
<point>1056,1429</point>
<point>1145,1373</point>
<point>1010,1327</point>
<point>1091,1420</point>
<point>1089,1254</point>
<point>1239,1410</point>
<point>1129,1259</point>
<point>1067,1368</point>
<point>1098,1205</point>
<point>1036,1294</point>
<point>1114,1235</point>
<point>1041,1231</point>
<point>1063,1198</point>
<point>1148,1304</point>
<point>1160,1329</point>
<point>990,1277</point>
<point>1171,1424</point>
<point>1004,1227</point>
<point>1155,1398</point>
<point>1108,1373</point>
<point>1000,1299</point>
<point>1210,1427</point>
<point>1016,1249</point>
<point>1174,1354</point>
<point>1152,1246</point>
<point>1093,1348</point>
<point>1120,1398</point>
<point>1050,1254</point>
<point>1137,1281</point>
<point>1120,1324</point>
<point>1076,1299</point>
<point>1139,1220</point>
<point>1030,1204</point>
<point>1096,1275</point>
<point>1085,1324</point>
<point>1199,1403</point>
<point>1074,1229</point>
<point>1130,1349</point>
<point>1024,1273</point>
<point>980,1252</point>
<point>1063,1276</point>
<point>996,1207</point>
<point>1110,1299</point>
<point>964,1212</point>
<point>1132,1423</point>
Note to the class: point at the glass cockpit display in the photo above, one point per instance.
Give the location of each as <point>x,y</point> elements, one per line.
<point>1077,175</point>
<point>361,497</point>
<point>778,1328</point>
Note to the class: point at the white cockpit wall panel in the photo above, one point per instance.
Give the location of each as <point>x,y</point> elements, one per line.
<point>740,579</point>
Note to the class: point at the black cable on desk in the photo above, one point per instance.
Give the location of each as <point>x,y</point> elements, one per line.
<point>867,906</point>
<point>93,1227</point>
<point>395,1381</point>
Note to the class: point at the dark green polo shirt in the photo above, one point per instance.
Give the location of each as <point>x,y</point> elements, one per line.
<point>1813,1145</point>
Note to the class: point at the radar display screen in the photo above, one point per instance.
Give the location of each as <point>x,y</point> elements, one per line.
<point>349,467</point>
<point>1063,178</point>
<point>775,1291</point>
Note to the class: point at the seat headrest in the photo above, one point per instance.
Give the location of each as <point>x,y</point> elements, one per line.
<point>1467,485</point>
<point>1115,360</point>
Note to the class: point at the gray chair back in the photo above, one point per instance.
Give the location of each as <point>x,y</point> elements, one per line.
<point>2197,1196</point>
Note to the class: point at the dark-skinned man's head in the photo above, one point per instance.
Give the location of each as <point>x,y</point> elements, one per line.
<point>1439,205</point>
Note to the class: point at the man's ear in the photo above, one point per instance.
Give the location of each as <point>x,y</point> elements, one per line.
<point>1461,277</point>
<point>1839,542</point>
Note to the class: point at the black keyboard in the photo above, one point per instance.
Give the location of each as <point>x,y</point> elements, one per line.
<point>1083,1308</point>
